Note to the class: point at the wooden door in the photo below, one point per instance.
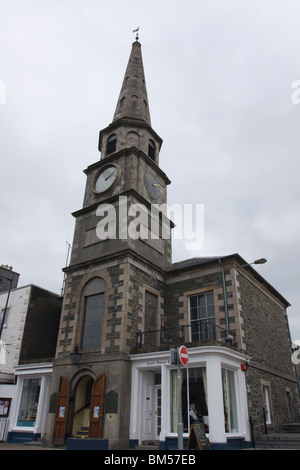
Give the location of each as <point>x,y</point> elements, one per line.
<point>96,411</point>
<point>61,412</point>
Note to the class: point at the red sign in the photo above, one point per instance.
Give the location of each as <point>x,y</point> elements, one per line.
<point>183,355</point>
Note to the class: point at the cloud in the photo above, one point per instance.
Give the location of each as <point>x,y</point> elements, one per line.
<point>219,83</point>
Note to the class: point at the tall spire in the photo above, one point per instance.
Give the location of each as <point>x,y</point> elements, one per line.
<point>133,99</point>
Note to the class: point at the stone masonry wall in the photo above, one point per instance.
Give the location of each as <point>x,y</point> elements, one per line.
<point>268,345</point>
<point>14,325</point>
<point>125,307</point>
<point>146,305</point>
<point>195,282</point>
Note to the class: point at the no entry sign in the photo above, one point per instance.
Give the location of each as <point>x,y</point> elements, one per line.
<point>183,355</point>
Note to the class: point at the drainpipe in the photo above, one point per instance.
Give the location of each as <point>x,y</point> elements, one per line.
<point>225,296</point>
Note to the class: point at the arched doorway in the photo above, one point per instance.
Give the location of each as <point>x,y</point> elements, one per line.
<point>82,404</point>
<point>85,418</point>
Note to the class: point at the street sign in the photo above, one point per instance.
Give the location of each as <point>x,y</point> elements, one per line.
<point>183,355</point>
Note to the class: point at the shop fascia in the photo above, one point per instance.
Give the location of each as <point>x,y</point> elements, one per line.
<point>196,355</point>
<point>213,359</point>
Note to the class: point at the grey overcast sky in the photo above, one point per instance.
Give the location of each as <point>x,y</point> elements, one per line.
<point>219,77</point>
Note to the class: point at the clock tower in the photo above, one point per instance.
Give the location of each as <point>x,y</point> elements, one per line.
<point>115,282</point>
<point>126,187</point>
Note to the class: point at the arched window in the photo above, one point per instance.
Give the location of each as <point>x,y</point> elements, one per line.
<point>93,294</point>
<point>111,144</point>
<point>151,149</point>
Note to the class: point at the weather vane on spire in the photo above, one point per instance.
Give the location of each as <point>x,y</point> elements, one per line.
<point>137,33</point>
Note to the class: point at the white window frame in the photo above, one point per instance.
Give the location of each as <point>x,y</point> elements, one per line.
<point>26,372</point>
<point>209,319</point>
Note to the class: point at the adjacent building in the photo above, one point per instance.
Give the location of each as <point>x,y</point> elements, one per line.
<point>30,319</point>
<point>235,327</point>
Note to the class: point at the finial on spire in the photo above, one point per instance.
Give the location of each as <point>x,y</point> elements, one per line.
<point>137,33</point>
<point>133,100</point>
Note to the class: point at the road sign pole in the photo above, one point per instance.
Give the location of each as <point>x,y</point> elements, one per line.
<point>179,356</point>
<point>180,427</point>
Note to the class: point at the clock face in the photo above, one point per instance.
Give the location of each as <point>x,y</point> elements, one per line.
<point>153,187</point>
<point>106,178</point>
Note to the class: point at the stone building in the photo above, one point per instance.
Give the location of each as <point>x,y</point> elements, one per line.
<point>126,305</point>
<point>30,323</point>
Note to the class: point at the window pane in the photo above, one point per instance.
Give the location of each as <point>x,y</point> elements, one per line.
<point>194,313</point>
<point>210,298</point>
<point>211,331</point>
<point>193,392</point>
<point>202,312</point>
<point>29,402</point>
<point>202,301</point>
<point>210,311</point>
<point>92,322</point>
<point>202,317</point>
<point>266,404</point>
<point>193,301</point>
<point>229,400</point>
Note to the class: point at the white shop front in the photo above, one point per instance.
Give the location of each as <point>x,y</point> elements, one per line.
<point>31,402</point>
<point>214,380</point>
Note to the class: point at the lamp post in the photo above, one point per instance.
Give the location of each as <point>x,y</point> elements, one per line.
<point>257,261</point>
<point>6,304</point>
<point>180,426</point>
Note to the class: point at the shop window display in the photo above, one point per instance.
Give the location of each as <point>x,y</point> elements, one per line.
<point>229,400</point>
<point>193,398</point>
<point>29,402</point>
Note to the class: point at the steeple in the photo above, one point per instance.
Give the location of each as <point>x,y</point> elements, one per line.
<point>131,125</point>
<point>133,99</point>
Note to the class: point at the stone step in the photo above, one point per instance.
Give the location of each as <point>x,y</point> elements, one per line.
<point>37,443</point>
<point>291,427</point>
<point>148,445</point>
<point>83,432</point>
<point>278,440</point>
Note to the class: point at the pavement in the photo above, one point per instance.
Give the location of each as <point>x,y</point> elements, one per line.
<point>7,446</point>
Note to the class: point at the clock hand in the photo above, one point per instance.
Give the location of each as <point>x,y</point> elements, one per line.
<point>157,185</point>
<point>109,176</point>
